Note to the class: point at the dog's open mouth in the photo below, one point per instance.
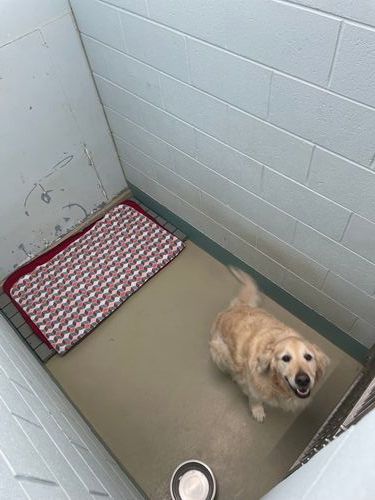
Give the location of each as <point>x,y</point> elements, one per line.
<point>299,392</point>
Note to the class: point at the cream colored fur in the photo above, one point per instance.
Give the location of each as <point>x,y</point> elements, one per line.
<point>249,343</point>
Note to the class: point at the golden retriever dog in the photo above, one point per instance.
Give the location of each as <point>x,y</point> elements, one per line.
<point>271,362</point>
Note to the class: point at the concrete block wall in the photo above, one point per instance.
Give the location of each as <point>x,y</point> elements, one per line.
<point>47,451</point>
<point>254,121</point>
<point>57,157</point>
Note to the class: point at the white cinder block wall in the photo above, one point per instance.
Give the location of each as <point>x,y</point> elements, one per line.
<point>254,121</point>
<point>47,451</point>
<point>57,158</point>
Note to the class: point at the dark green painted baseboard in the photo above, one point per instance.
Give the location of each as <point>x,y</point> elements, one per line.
<point>293,305</point>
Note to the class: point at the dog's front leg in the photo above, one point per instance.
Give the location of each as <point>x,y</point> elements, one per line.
<point>255,405</point>
<point>257,410</point>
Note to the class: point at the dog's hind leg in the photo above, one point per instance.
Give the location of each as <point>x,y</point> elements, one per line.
<point>220,353</point>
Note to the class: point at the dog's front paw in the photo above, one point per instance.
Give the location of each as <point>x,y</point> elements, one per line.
<point>258,412</point>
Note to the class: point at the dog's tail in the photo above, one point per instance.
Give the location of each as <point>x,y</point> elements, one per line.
<point>249,293</point>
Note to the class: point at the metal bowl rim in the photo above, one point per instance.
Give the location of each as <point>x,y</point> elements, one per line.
<point>192,461</point>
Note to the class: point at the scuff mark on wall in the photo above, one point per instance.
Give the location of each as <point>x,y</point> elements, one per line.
<point>100,206</point>
<point>26,199</point>
<point>63,162</point>
<point>92,164</point>
<point>49,192</point>
<point>60,164</point>
<point>87,153</point>
<point>71,205</point>
<point>21,246</point>
<point>45,196</point>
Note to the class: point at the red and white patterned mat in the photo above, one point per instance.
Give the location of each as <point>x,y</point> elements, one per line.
<point>68,296</point>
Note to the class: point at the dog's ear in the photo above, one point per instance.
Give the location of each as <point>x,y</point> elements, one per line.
<point>264,360</point>
<point>322,362</point>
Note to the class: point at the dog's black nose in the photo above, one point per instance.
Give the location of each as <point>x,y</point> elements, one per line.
<point>302,380</point>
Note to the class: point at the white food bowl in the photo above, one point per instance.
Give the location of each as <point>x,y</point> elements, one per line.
<point>193,480</point>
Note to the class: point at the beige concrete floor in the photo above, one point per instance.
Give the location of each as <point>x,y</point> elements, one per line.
<point>145,381</point>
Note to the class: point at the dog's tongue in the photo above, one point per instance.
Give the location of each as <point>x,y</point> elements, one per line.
<point>303,391</point>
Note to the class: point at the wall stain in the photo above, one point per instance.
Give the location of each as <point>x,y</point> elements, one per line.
<point>63,162</point>
<point>21,246</point>
<point>45,196</point>
<point>60,164</point>
<point>92,164</point>
<point>77,205</point>
<point>26,199</point>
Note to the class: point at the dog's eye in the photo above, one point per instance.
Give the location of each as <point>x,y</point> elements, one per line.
<point>308,357</point>
<point>286,358</point>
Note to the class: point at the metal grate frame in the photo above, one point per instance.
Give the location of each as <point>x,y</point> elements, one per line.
<point>358,400</point>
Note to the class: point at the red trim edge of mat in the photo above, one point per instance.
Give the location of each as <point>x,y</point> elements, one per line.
<point>45,257</point>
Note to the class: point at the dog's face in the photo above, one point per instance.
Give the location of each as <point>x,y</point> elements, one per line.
<point>298,364</point>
